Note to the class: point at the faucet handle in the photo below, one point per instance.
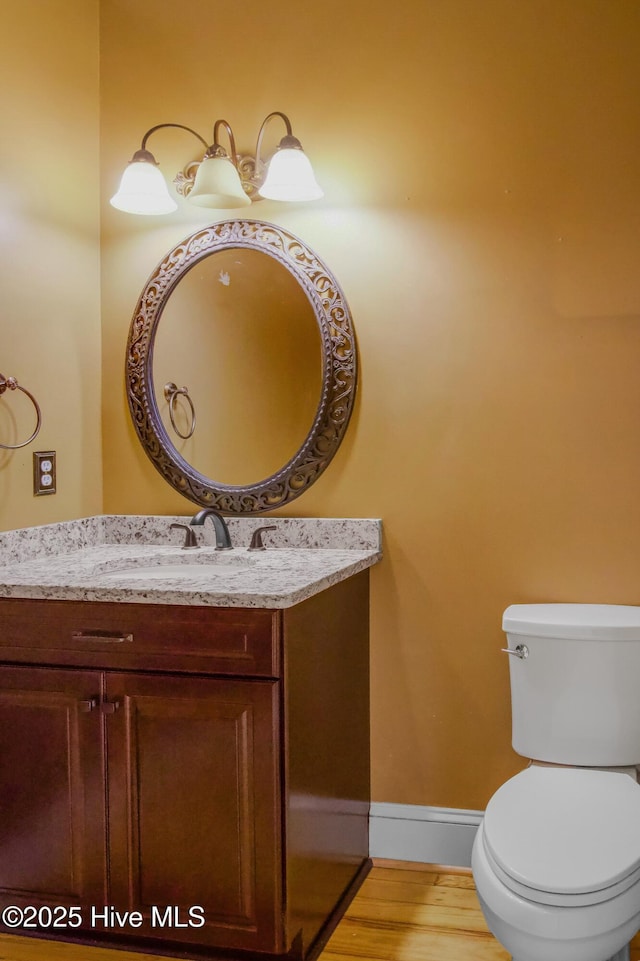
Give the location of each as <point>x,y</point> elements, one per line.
<point>190,536</point>
<point>256,541</point>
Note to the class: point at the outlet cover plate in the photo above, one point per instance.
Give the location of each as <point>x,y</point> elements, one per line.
<point>44,472</point>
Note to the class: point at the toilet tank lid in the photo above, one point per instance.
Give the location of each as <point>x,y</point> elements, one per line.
<point>617,622</point>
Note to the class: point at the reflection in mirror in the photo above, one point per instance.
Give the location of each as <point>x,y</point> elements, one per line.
<point>172,393</point>
<point>240,333</point>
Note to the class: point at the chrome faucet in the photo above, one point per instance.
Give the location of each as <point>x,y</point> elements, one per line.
<point>223,540</point>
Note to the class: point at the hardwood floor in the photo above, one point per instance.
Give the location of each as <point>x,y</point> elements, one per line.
<point>403,912</point>
<point>418,912</point>
<point>414,912</point>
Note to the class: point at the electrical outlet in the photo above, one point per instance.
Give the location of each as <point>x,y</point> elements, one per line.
<point>44,472</point>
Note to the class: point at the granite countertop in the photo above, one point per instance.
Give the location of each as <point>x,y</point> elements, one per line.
<point>139,559</point>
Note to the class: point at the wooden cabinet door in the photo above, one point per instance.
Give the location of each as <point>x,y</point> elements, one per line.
<point>194,821</point>
<point>52,805</point>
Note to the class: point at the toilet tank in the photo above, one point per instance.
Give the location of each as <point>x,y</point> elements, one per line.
<point>575,697</point>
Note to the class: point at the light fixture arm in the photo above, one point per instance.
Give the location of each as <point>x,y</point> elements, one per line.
<point>215,150</point>
<point>144,154</point>
<point>287,141</point>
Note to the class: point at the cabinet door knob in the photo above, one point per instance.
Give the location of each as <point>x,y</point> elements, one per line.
<point>88,705</point>
<point>109,707</point>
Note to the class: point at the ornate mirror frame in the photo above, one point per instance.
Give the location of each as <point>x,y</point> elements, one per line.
<point>339,368</point>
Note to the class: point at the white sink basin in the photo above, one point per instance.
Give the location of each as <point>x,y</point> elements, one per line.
<point>169,567</point>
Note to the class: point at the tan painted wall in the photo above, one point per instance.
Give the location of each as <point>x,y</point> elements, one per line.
<point>49,254</point>
<point>482,210</point>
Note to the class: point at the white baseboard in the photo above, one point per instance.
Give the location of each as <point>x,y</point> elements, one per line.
<point>411,832</point>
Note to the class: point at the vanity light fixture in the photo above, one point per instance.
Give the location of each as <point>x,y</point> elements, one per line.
<point>219,180</point>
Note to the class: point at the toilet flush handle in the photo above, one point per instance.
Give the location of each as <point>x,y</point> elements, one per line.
<point>520,650</point>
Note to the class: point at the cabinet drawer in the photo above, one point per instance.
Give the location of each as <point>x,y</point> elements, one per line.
<point>140,636</point>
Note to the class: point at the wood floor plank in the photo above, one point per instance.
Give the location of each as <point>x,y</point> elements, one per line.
<point>360,939</point>
<point>418,915</point>
<point>439,878</point>
<point>420,866</point>
<point>383,890</point>
<point>463,881</point>
<point>399,874</point>
<point>14,948</point>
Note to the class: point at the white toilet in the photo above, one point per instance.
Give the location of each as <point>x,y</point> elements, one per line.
<point>556,861</point>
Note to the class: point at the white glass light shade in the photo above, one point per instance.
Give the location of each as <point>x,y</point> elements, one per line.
<point>290,177</point>
<point>218,185</point>
<point>143,190</point>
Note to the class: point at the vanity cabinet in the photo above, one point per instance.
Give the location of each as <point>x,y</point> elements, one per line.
<point>205,767</point>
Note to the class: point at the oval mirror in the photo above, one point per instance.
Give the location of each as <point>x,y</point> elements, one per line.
<point>241,396</point>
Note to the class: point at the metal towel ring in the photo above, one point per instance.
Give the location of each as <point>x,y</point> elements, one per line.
<point>12,384</point>
<point>171,393</point>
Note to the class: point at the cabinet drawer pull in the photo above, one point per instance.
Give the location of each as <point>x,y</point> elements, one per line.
<point>114,637</point>
<point>109,707</point>
<point>89,705</point>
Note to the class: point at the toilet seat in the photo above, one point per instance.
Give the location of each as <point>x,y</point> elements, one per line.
<point>565,836</point>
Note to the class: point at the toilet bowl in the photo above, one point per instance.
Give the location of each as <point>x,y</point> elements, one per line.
<point>556,864</point>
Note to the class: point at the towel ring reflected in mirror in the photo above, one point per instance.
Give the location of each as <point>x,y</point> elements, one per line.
<point>248,247</point>
<point>171,394</point>
<point>10,383</point>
